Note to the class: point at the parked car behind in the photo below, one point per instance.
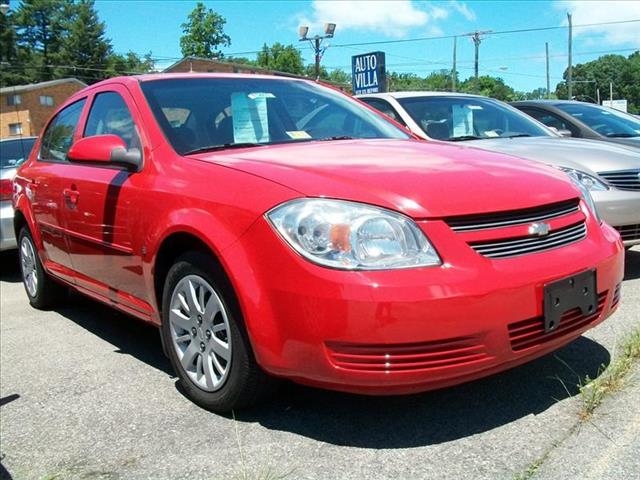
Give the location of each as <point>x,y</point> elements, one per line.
<point>585,120</point>
<point>13,151</point>
<point>611,172</point>
<point>274,227</point>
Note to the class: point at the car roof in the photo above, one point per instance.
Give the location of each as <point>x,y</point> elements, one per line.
<point>551,102</point>
<point>416,93</point>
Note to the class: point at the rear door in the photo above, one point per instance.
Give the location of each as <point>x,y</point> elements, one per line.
<point>46,190</point>
<point>103,223</point>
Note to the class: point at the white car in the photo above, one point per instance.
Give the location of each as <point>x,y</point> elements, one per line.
<point>13,151</point>
<point>611,172</point>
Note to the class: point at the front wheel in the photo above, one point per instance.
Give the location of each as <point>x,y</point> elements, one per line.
<point>42,291</point>
<point>205,338</point>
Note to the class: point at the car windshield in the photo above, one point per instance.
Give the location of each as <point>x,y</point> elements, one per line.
<point>605,121</point>
<point>200,114</point>
<point>469,118</point>
<point>14,152</point>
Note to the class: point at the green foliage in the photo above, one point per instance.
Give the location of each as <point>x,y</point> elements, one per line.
<point>489,87</point>
<point>203,33</point>
<point>84,46</point>
<point>436,81</point>
<point>281,58</point>
<point>48,39</point>
<point>622,72</point>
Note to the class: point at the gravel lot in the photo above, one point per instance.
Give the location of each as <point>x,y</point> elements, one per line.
<point>87,393</point>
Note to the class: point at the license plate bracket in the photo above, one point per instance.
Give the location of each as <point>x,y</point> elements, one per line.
<point>576,291</point>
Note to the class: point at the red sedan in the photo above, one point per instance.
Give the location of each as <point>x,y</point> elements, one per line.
<point>273,227</point>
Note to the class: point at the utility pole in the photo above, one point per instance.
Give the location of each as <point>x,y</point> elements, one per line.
<point>546,49</point>
<point>477,40</point>
<point>318,52</point>
<point>611,92</point>
<point>454,73</point>
<point>569,71</point>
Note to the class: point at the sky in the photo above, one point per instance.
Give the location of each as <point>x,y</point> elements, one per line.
<point>519,58</point>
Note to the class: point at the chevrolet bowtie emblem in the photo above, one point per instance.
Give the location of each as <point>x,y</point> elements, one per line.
<point>539,229</point>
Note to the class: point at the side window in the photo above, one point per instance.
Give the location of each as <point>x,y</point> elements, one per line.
<point>550,120</point>
<point>109,115</point>
<point>385,107</point>
<point>58,137</point>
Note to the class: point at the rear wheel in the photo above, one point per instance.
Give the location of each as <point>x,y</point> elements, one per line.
<point>42,290</point>
<point>205,338</point>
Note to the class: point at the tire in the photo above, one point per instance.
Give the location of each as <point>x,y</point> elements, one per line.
<point>43,292</point>
<point>200,315</point>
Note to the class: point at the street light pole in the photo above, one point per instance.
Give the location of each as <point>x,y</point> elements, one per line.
<point>569,70</point>
<point>546,49</point>
<point>454,73</point>
<point>316,41</point>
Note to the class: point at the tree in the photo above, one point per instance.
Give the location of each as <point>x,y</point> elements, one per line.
<point>40,25</point>
<point>623,73</point>
<point>489,87</point>
<point>281,58</point>
<point>84,46</point>
<point>129,64</point>
<point>11,56</point>
<point>203,33</point>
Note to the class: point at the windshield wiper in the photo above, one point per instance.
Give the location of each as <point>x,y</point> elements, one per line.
<point>462,138</point>
<point>211,148</point>
<point>622,135</point>
<point>516,135</point>
<point>336,137</point>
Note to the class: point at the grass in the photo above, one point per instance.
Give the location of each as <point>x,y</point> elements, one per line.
<point>593,391</point>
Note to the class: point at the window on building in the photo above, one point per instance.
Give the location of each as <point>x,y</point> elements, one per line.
<point>46,100</point>
<point>14,100</point>
<point>15,129</point>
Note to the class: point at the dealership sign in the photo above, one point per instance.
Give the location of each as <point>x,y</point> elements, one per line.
<point>368,73</point>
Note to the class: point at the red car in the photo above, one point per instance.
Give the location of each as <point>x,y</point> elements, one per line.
<point>274,227</point>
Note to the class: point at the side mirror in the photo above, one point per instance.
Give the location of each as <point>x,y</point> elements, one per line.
<point>105,149</point>
<point>565,133</point>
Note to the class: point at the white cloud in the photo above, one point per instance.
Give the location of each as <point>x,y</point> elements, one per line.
<point>605,11</point>
<point>391,18</point>
<point>463,9</point>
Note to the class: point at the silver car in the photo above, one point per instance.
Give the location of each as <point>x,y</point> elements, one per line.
<point>611,172</point>
<point>13,152</point>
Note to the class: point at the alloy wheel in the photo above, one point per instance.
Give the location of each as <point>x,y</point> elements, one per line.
<point>200,331</point>
<point>28,266</point>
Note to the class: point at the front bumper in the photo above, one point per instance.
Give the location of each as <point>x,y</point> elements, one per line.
<point>7,235</point>
<point>401,331</point>
<point>619,208</point>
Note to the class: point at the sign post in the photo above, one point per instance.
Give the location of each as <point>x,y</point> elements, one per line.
<point>368,73</point>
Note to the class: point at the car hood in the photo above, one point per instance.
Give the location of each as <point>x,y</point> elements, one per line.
<point>587,155</point>
<point>421,179</point>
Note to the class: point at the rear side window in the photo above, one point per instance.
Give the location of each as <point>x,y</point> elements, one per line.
<point>109,115</point>
<point>58,136</point>
<point>385,107</point>
<point>549,119</point>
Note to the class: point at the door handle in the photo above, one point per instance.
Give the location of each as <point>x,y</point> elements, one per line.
<point>71,196</point>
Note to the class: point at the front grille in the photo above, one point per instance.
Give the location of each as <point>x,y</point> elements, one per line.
<point>512,247</point>
<point>407,356</point>
<point>629,232</point>
<point>513,217</point>
<point>529,333</point>
<point>623,179</point>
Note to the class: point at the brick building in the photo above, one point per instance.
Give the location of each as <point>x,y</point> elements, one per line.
<point>24,109</point>
<point>207,65</point>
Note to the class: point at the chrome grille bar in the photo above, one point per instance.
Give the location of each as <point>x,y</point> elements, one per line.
<point>623,179</point>
<point>521,246</point>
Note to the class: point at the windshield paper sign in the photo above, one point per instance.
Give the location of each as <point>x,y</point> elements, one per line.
<point>250,122</point>
<point>368,73</point>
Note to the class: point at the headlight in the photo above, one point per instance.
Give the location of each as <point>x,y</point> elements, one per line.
<point>352,236</point>
<point>577,177</point>
<point>592,183</point>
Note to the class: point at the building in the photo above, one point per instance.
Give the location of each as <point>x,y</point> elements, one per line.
<point>24,109</point>
<point>208,65</point>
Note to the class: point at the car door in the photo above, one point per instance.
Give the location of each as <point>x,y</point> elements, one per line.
<point>45,188</point>
<point>102,222</point>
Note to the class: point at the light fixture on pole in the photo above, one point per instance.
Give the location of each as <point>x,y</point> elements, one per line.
<point>4,7</point>
<point>316,41</point>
